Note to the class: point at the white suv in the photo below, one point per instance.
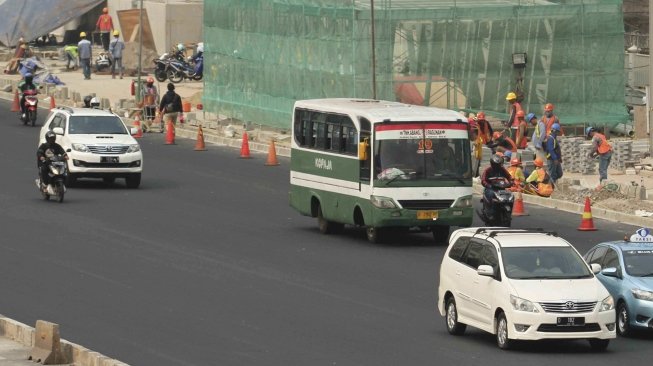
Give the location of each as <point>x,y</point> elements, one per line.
<point>523,285</point>
<point>98,143</point>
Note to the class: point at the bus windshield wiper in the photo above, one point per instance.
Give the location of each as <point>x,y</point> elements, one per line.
<point>395,178</point>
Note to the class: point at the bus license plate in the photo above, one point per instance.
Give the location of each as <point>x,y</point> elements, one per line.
<point>109,159</point>
<point>427,215</point>
<point>571,321</point>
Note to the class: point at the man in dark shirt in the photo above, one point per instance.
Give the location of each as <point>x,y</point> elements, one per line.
<point>170,106</point>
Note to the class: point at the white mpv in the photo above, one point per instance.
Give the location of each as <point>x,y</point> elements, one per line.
<point>523,285</point>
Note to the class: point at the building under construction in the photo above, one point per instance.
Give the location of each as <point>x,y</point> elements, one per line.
<point>262,55</point>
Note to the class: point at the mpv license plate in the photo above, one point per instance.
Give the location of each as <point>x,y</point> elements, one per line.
<point>571,321</point>
<point>427,215</point>
<point>109,159</point>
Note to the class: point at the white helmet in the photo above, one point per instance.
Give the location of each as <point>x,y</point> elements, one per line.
<point>181,47</point>
<point>95,103</point>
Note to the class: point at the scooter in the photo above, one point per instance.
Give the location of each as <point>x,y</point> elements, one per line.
<point>30,107</point>
<point>57,172</point>
<point>498,212</point>
<point>161,65</point>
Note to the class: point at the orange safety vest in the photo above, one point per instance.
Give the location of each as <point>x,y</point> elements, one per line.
<point>521,137</point>
<point>514,122</point>
<point>604,145</point>
<point>544,186</point>
<point>548,122</point>
<point>512,143</point>
<point>484,131</point>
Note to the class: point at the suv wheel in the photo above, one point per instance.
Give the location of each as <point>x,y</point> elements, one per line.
<point>503,341</point>
<point>133,180</point>
<point>451,318</point>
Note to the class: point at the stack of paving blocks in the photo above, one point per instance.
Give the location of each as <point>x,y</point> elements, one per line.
<point>622,152</point>
<point>587,165</point>
<point>571,156</point>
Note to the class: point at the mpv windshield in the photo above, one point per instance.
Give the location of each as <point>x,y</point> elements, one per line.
<point>639,262</point>
<point>543,263</point>
<point>96,125</point>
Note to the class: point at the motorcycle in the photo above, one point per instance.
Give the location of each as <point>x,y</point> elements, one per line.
<point>498,212</point>
<point>161,65</point>
<point>179,70</point>
<point>57,172</point>
<point>31,104</point>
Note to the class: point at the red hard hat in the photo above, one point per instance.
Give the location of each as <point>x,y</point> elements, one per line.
<point>480,115</point>
<point>548,107</point>
<point>520,114</point>
<point>150,80</point>
<point>105,10</point>
<point>538,163</point>
<point>515,162</point>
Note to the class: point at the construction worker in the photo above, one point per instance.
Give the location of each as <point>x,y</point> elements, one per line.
<point>517,174</point>
<point>502,143</point>
<point>539,182</point>
<point>522,130</point>
<point>601,148</point>
<point>513,123</point>
<point>549,119</point>
<point>484,129</point>
<point>539,135</point>
<point>116,48</point>
<point>553,154</point>
<point>85,52</point>
<point>105,26</point>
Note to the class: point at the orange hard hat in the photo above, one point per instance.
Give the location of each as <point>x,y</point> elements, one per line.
<point>538,163</point>
<point>480,115</point>
<point>496,135</point>
<point>515,162</point>
<point>548,107</point>
<point>520,114</point>
<point>150,79</point>
<point>105,10</point>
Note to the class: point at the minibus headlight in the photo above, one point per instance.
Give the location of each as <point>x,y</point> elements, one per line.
<point>382,202</point>
<point>463,202</point>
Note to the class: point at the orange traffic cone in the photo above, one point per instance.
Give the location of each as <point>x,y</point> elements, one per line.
<point>199,145</point>
<point>244,148</point>
<point>518,209</point>
<point>272,155</point>
<point>137,124</point>
<point>170,133</point>
<point>15,106</point>
<point>53,105</point>
<point>586,223</point>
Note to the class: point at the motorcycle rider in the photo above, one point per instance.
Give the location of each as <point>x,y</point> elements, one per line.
<point>45,150</point>
<point>27,84</point>
<point>495,170</point>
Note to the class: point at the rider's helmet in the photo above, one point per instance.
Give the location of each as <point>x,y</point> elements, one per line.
<point>588,130</point>
<point>28,78</point>
<point>538,163</point>
<point>50,137</point>
<point>181,47</point>
<point>555,127</point>
<point>530,116</point>
<point>95,103</point>
<point>496,135</point>
<point>87,101</point>
<point>496,161</point>
<point>200,47</point>
<point>520,114</point>
<point>511,96</point>
<point>515,162</point>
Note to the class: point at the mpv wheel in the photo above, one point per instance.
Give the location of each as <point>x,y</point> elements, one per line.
<point>502,332</point>
<point>451,317</point>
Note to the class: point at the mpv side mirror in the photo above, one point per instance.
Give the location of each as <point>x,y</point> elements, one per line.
<point>596,268</point>
<point>485,270</point>
<point>133,130</point>
<point>610,272</point>
<point>58,131</point>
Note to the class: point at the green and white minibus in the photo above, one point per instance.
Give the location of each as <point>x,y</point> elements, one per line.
<point>381,165</point>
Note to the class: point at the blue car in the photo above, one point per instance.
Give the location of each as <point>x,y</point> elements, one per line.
<point>627,273</point>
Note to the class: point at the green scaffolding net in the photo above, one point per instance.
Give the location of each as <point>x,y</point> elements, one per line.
<point>262,55</point>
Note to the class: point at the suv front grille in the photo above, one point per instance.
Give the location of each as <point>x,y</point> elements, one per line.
<point>108,149</point>
<point>554,328</point>
<point>425,204</point>
<point>568,307</point>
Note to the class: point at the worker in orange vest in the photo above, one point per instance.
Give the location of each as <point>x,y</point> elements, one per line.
<point>539,182</point>
<point>513,122</point>
<point>549,118</point>
<point>105,26</point>
<point>484,129</point>
<point>601,148</point>
<point>517,174</point>
<point>522,130</point>
<point>502,143</point>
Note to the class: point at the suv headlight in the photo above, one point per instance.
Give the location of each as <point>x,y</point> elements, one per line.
<point>463,202</point>
<point>134,148</point>
<point>382,202</point>
<point>80,148</point>
<point>607,304</point>
<point>520,304</point>
<point>642,294</point>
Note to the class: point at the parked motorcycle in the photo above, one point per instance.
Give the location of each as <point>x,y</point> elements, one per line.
<point>498,212</point>
<point>161,67</point>
<point>31,104</point>
<point>179,70</point>
<point>57,172</point>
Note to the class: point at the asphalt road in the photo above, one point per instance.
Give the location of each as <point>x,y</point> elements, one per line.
<point>206,264</point>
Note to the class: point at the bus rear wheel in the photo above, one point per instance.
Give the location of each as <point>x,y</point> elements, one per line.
<point>326,226</point>
<point>374,234</point>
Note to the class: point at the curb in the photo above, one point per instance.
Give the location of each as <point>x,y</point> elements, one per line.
<point>78,355</point>
<point>597,212</point>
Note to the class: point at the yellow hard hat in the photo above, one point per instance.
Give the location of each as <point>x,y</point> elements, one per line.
<point>511,96</point>
<point>116,32</point>
<point>82,34</point>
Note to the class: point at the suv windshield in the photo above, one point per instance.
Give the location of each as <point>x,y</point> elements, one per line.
<point>543,263</point>
<point>639,263</point>
<point>96,125</point>
<point>421,150</point>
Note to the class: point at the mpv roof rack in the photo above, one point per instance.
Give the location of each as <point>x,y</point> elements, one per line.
<point>66,108</point>
<point>492,232</point>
